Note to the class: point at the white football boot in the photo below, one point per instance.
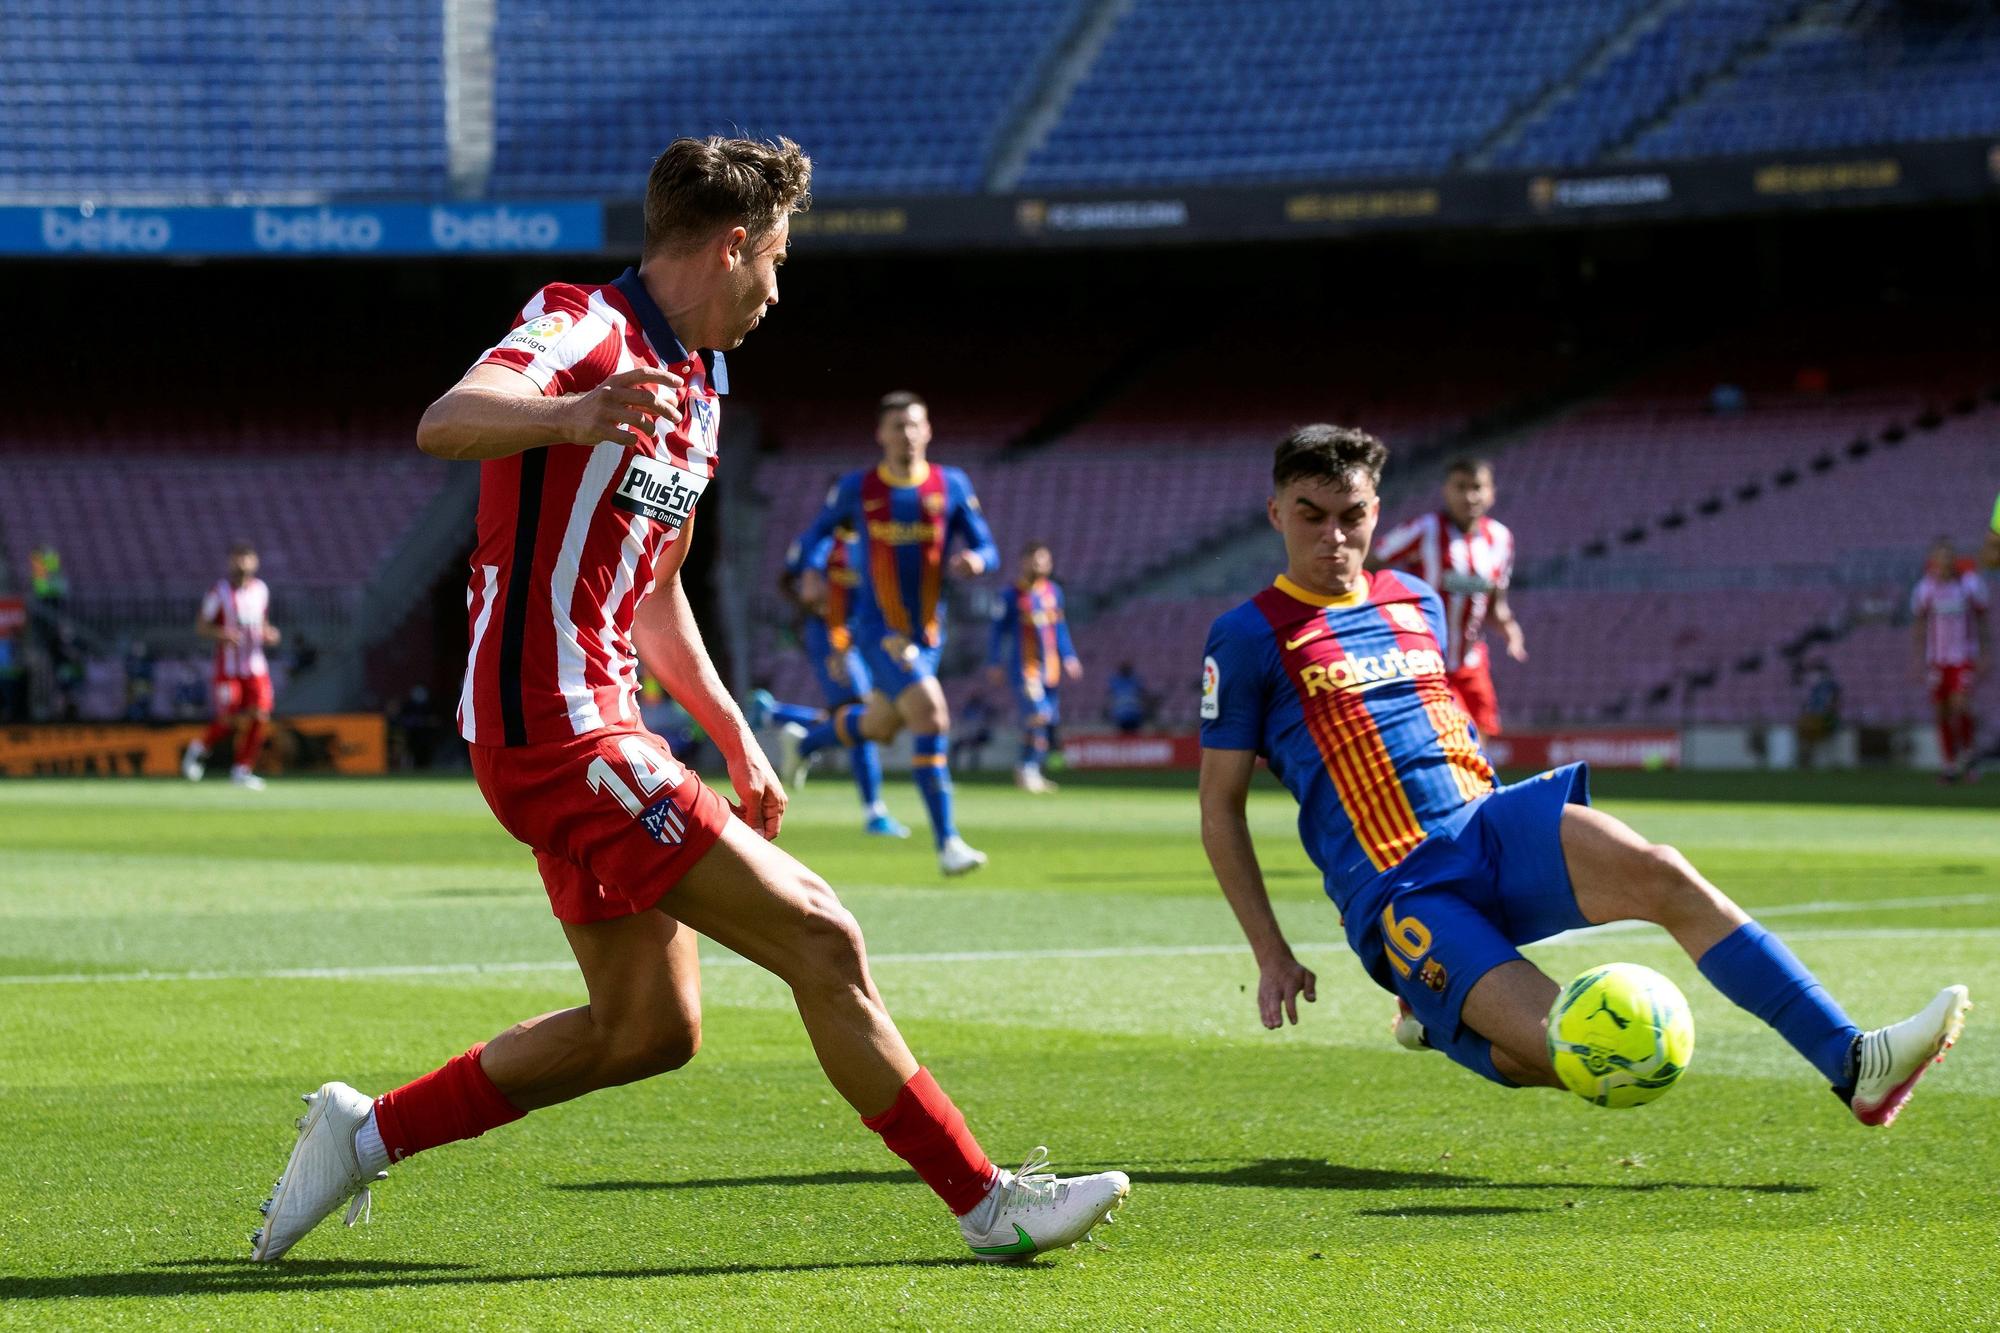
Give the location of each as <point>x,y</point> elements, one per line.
<point>1032,1211</point>
<point>1405,1028</point>
<point>244,778</point>
<point>1889,1061</point>
<point>191,760</point>
<point>321,1174</point>
<point>958,857</point>
<point>793,764</point>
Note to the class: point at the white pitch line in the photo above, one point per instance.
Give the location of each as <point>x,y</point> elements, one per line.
<point>392,970</point>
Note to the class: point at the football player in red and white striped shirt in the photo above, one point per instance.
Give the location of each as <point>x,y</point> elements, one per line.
<point>235,615</point>
<point>594,423</point>
<point>1468,556</point>
<point>1948,608</point>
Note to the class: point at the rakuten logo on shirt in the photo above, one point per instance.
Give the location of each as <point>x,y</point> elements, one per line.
<point>107,232</point>
<point>493,229</point>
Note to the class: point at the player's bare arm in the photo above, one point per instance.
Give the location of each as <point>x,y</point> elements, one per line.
<point>1225,836</point>
<point>216,632</point>
<point>671,646</point>
<point>1503,616</point>
<point>496,412</point>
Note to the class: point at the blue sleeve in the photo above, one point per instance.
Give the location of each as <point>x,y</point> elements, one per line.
<point>1434,613</point>
<point>1063,642</point>
<point>1235,681</point>
<point>1005,618</point>
<point>968,522</point>
<point>815,544</point>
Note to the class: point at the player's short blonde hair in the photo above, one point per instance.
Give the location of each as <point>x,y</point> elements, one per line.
<point>699,185</point>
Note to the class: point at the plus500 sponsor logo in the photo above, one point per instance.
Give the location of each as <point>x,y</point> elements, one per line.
<point>109,231</point>
<point>500,228</point>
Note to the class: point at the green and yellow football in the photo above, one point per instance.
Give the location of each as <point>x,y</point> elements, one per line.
<point>1620,1035</point>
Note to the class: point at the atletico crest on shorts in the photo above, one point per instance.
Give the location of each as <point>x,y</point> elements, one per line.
<point>664,820</point>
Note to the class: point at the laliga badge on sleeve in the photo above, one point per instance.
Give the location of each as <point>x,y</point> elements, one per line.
<point>1211,695</point>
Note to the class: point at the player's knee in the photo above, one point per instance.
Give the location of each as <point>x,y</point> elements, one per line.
<point>1666,879</point>
<point>830,946</point>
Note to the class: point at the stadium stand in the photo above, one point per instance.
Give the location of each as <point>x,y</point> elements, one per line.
<point>1886,74</point>
<point>1188,91</point>
<point>902,95</point>
<point>239,100</point>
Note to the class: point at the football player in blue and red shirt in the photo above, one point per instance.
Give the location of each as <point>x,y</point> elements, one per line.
<point>827,635</point>
<point>1336,677</point>
<point>907,512</point>
<point>1030,652</point>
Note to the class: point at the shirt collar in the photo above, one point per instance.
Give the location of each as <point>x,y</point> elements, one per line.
<point>665,341</point>
<point>1296,593</point>
<point>920,474</point>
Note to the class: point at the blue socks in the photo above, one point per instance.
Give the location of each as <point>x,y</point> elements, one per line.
<point>1754,969</point>
<point>866,759</point>
<point>799,713</point>
<point>830,732</point>
<point>933,777</point>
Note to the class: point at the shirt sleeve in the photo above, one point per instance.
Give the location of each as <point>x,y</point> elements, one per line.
<point>1064,644</point>
<point>1920,599</point>
<point>211,607</point>
<point>815,545</point>
<point>1004,617</point>
<point>1433,608</point>
<point>558,342</point>
<point>969,523</point>
<point>1400,543</point>
<point>1504,576</point>
<point>1975,592</point>
<point>1235,688</point>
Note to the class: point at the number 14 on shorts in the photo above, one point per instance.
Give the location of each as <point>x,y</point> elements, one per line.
<point>653,771</point>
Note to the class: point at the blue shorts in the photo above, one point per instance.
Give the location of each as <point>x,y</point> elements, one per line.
<point>1490,878</point>
<point>893,663</point>
<point>842,676</point>
<point>1040,705</point>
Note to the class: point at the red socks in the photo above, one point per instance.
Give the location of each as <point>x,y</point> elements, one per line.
<point>924,1129</point>
<point>455,1101</point>
<point>252,742</point>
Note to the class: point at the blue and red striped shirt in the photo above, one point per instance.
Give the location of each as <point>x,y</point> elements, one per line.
<point>904,526</point>
<point>1347,700</point>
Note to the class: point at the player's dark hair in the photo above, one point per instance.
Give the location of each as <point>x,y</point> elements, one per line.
<point>699,185</point>
<point>897,401</point>
<point>1029,548</point>
<point>242,548</point>
<point>1469,465</point>
<point>1328,453</point>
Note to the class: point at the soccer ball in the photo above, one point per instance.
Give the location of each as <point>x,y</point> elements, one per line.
<point>1620,1035</point>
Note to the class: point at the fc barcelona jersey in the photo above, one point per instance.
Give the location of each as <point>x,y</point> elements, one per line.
<point>1346,699</point>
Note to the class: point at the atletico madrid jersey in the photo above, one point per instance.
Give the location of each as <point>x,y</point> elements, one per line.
<point>1347,700</point>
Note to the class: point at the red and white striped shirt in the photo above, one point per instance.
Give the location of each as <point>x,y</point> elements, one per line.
<point>569,535</point>
<point>1466,568</point>
<point>1951,607</point>
<point>245,610</point>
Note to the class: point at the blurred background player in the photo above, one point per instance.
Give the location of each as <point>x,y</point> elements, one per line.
<point>1030,651</point>
<point>1948,609</point>
<point>1468,556</point>
<point>235,616</point>
<point>827,637</point>
<point>907,514</point>
<point>1128,705</point>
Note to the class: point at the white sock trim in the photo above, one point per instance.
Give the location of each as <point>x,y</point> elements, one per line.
<point>368,1147</point>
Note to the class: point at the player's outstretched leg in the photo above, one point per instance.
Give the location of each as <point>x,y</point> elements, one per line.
<point>1618,876</point>
<point>243,772</point>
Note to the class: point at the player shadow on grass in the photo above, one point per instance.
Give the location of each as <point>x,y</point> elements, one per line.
<point>214,1277</point>
<point>1273,1173</point>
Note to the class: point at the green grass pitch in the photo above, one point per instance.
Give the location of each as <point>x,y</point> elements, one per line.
<point>178,963</point>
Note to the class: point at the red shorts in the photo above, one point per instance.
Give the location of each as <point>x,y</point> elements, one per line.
<point>242,694</point>
<point>1950,682</point>
<point>613,817</point>
<point>1474,687</point>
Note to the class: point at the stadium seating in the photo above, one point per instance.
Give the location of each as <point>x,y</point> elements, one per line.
<point>215,99</point>
<point>1664,63</point>
<point>1187,91</point>
<point>894,96</point>
<point>1888,75</point>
